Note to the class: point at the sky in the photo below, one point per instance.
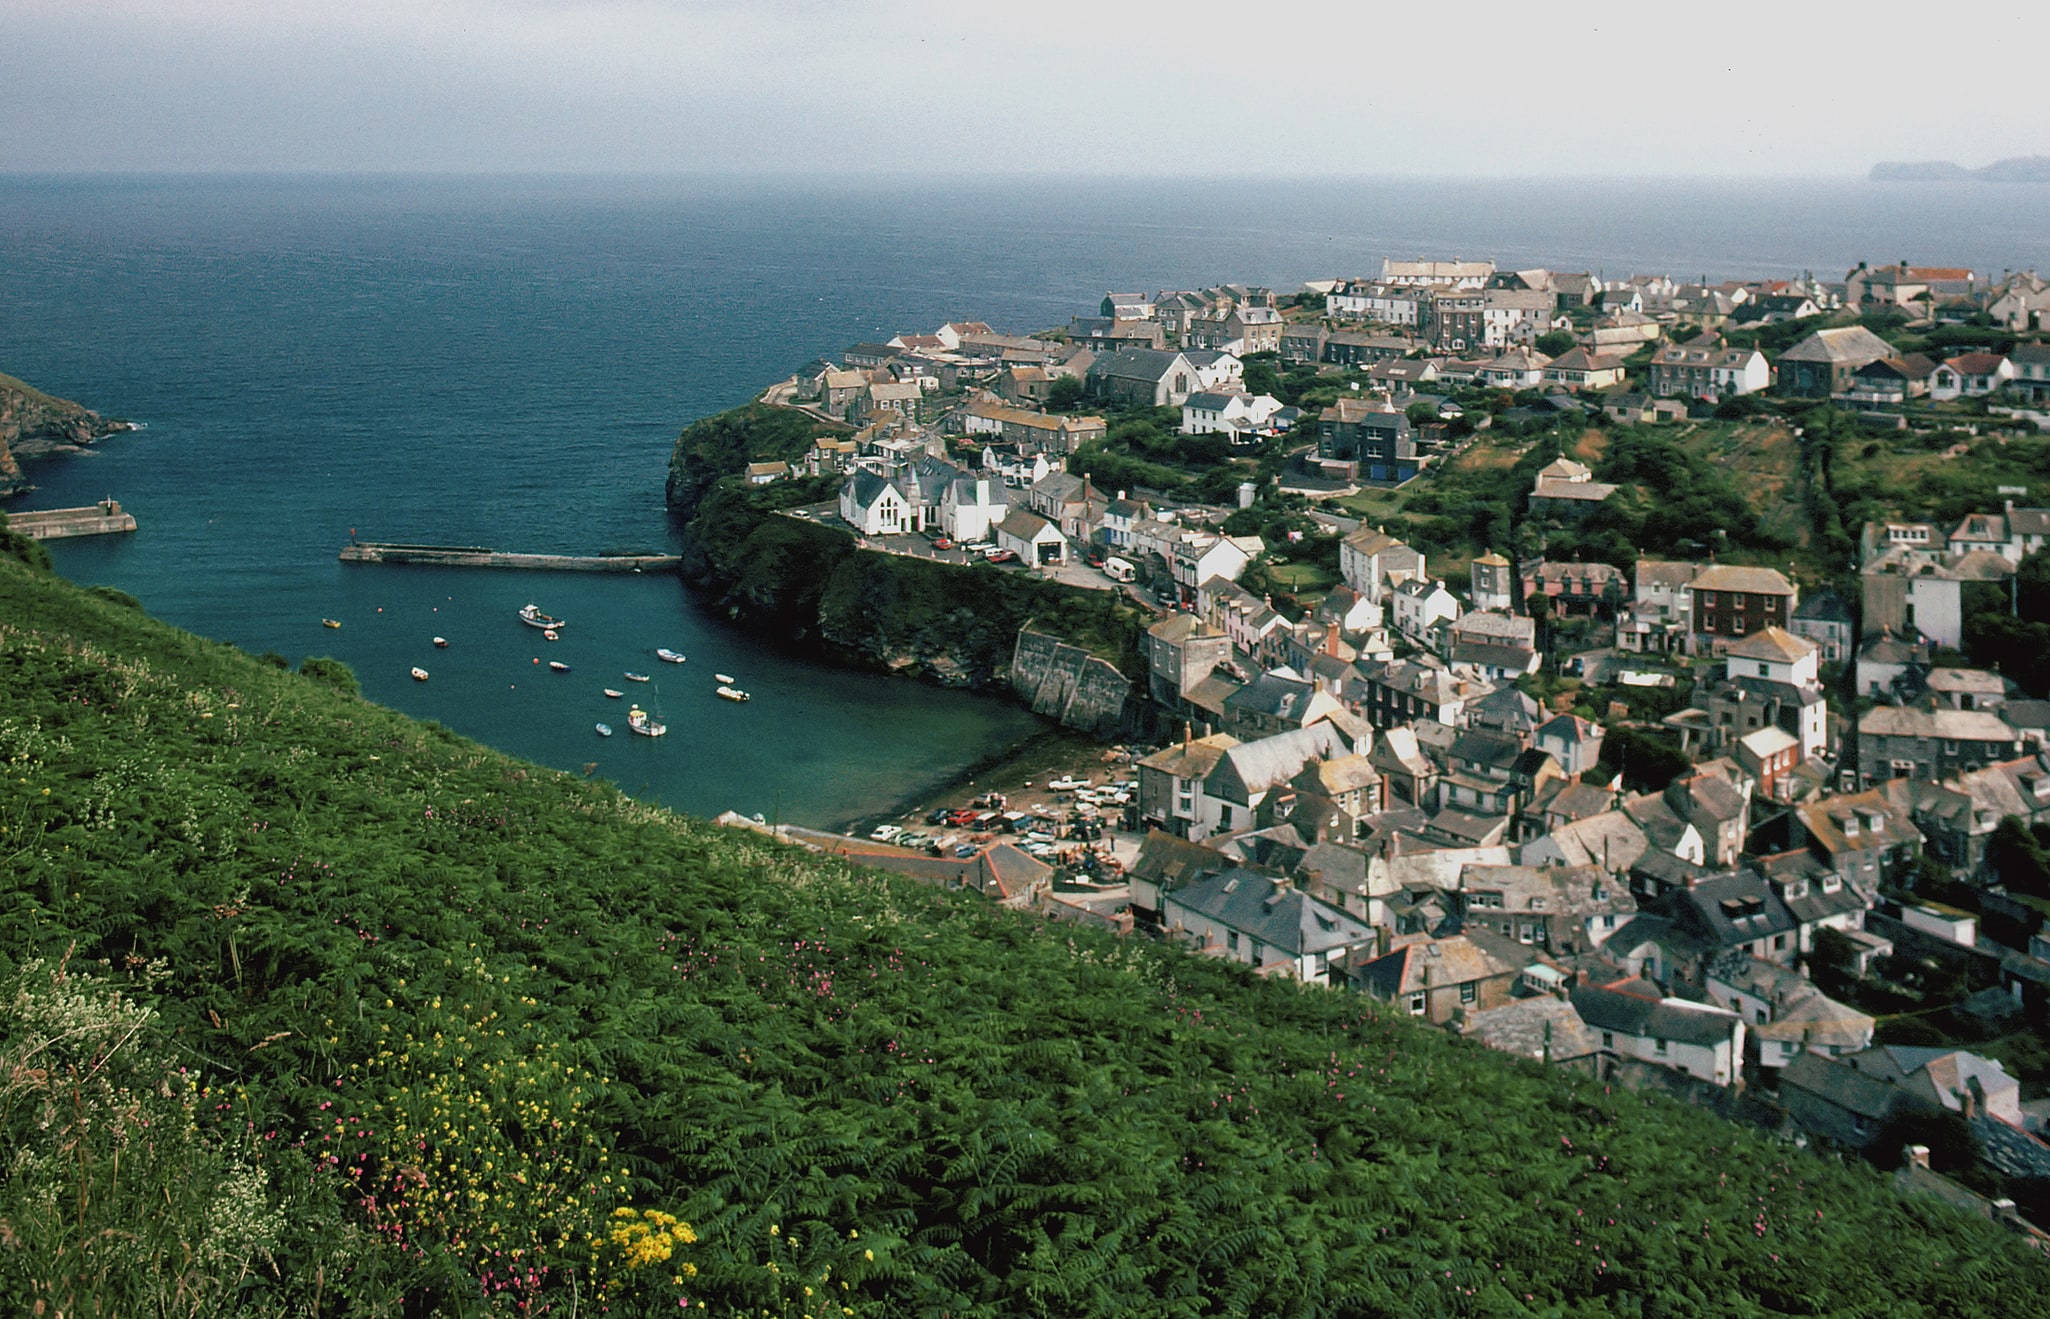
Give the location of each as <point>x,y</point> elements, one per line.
<point>1044,87</point>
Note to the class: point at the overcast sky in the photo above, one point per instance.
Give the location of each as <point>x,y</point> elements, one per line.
<point>1044,86</point>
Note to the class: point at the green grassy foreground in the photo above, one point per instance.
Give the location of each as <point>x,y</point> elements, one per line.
<point>317,1010</point>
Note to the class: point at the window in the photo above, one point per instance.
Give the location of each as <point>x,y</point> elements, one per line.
<point>1659,1047</point>
<point>1779,942</point>
<point>1468,992</point>
<point>1608,1039</point>
<point>1231,940</point>
<point>1416,1005</point>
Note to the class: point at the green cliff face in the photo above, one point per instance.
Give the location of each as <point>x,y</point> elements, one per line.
<point>808,584</point>
<point>33,422</point>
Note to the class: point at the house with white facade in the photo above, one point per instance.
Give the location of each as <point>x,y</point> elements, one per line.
<point>874,505</point>
<point>1264,921</point>
<point>1374,563</point>
<point>1233,413</point>
<point>1032,538</point>
<point>1636,1021</point>
<point>1419,604</point>
<point>1969,375</point>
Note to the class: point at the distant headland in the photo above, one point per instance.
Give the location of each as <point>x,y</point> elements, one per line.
<point>2014,169</point>
<point>33,423</point>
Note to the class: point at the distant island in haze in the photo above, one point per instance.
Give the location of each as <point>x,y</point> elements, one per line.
<point>2014,169</point>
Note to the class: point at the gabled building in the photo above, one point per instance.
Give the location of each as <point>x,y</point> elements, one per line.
<point>1636,1022</point>
<point>1826,362</point>
<point>1563,910</point>
<point>1435,979</point>
<point>1824,619</point>
<point>1374,563</point>
<point>1145,377</point>
<point>1367,440</point>
<point>1732,602</point>
<point>1265,922</point>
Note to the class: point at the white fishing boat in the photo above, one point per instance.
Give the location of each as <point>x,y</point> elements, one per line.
<point>532,616</point>
<point>604,730</point>
<point>419,674</point>
<point>441,643</point>
<point>668,656</point>
<point>638,721</point>
<point>636,677</point>
<point>558,666</point>
<point>614,693</point>
<point>726,693</point>
<point>330,622</point>
<point>725,679</point>
<point>551,635</point>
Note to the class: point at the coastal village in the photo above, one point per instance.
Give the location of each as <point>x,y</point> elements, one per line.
<point>1754,833</point>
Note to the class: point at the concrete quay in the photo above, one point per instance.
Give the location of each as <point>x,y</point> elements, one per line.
<point>102,519</point>
<point>477,556</point>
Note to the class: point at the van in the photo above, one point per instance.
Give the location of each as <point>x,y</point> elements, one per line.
<point>1118,570</point>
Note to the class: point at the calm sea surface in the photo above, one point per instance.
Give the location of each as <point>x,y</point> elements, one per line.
<point>506,362</point>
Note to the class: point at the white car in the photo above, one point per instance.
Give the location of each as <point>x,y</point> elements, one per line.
<point>1066,784</point>
<point>885,833</point>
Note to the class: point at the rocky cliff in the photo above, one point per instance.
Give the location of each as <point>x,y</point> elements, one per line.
<point>32,422</point>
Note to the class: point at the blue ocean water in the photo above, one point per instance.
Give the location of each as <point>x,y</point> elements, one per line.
<point>506,362</point>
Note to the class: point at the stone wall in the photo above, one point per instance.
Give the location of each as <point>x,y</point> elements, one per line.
<point>1068,684</point>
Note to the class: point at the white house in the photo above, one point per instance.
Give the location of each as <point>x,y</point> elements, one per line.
<point>1197,559</point>
<point>1635,1021</point>
<point>1265,921</point>
<point>1969,375</point>
<point>1776,655</point>
<point>874,505</point>
<point>1206,413</point>
<point>970,506</point>
<point>1419,604</point>
<point>1372,563</point>
<point>1032,538</point>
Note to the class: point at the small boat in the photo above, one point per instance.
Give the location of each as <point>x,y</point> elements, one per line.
<point>725,679</point>
<point>532,616</point>
<point>419,674</point>
<point>551,635</point>
<point>604,730</point>
<point>636,677</point>
<point>330,622</point>
<point>668,656</point>
<point>732,694</point>
<point>614,693</point>
<point>441,643</point>
<point>558,666</point>
<point>637,721</point>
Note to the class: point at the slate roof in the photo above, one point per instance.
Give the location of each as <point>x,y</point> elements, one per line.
<point>1272,695</point>
<point>1147,365</point>
<point>1554,890</point>
<point>1731,577</point>
<point>1432,964</point>
<point>1731,909</point>
<point>1273,912</point>
<point>1945,723</point>
<point>1169,861</point>
<point>1774,644</point>
<point>1628,1010</point>
<point>1271,761</point>
<point>1543,1028</point>
<point>1832,1081</point>
<point>1852,343</point>
<point>1611,839</point>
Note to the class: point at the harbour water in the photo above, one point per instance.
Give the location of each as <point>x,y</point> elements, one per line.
<point>506,362</point>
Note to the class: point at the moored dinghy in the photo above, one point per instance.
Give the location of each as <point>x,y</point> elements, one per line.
<point>419,674</point>
<point>604,730</point>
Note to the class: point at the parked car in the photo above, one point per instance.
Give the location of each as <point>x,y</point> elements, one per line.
<point>1066,784</point>
<point>884,833</point>
<point>1000,556</point>
<point>943,543</point>
<point>938,816</point>
<point>964,850</point>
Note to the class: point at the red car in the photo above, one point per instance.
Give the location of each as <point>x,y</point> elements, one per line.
<point>942,543</point>
<point>1001,556</point>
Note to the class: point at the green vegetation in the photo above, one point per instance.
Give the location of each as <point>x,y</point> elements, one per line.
<point>725,443</point>
<point>410,1019</point>
<point>809,584</point>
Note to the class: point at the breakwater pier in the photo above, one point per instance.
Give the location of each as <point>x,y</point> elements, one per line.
<point>105,518</point>
<point>477,556</point>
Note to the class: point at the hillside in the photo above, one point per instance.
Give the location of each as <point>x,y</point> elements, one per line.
<point>408,1018</point>
<point>33,422</point>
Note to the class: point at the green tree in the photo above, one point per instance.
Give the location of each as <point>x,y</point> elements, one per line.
<point>332,673</point>
<point>1554,342</point>
<point>1066,394</point>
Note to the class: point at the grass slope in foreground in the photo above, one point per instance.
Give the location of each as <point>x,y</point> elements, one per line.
<point>412,1019</point>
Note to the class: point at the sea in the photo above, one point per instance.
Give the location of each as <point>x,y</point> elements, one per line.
<point>506,361</point>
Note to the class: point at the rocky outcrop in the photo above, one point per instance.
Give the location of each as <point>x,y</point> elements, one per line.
<point>33,423</point>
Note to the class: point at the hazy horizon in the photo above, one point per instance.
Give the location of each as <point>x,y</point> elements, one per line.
<point>913,88</point>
